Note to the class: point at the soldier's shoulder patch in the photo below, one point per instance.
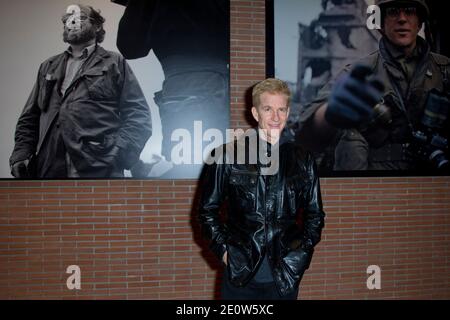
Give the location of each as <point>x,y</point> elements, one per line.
<point>440,59</point>
<point>370,60</point>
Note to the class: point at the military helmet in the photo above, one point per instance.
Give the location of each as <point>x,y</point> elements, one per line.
<point>423,7</point>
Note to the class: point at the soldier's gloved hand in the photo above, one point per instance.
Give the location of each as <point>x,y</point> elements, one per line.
<point>20,169</point>
<point>353,97</point>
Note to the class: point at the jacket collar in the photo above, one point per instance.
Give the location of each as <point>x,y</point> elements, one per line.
<point>391,54</point>
<point>58,61</point>
<point>285,137</point>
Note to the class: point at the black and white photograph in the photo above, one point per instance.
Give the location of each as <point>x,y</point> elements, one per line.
<point>112,89</point>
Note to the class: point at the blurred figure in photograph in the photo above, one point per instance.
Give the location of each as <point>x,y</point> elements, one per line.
<point>191,41</point>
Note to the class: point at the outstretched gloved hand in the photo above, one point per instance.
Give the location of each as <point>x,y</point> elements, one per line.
<point>353,98</point>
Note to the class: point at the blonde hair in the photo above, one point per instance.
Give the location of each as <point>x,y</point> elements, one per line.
<point>270,85</point>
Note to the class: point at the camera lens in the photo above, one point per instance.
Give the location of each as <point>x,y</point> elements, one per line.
<point>439,160</point>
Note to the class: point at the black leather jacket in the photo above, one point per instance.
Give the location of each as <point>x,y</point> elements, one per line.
<point>279,215</point>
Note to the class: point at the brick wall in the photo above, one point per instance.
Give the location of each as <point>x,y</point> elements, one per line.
<point>138,239</point>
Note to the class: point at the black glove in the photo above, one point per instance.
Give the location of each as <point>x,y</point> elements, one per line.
<point>353,97</point>
<point>141,169</point>
<point>20,169</point>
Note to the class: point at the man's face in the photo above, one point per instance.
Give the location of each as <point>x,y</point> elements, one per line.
<point>401,25</point>
<point>76,36</point>
<point>271,115</point>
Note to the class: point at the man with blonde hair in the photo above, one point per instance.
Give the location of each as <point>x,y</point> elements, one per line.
<point>274,220</point>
